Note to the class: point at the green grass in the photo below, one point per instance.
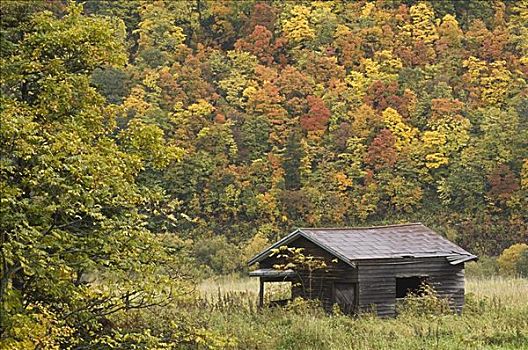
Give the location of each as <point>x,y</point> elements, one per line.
<point>495,317</point>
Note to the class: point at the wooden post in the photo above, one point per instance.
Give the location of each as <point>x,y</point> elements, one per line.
<point>261,292</point>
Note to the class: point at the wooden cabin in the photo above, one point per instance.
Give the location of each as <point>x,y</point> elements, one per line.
<point>365,268</point>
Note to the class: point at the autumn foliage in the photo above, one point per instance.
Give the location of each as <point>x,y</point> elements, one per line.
<point>334,113</point>
<point>133,132</point>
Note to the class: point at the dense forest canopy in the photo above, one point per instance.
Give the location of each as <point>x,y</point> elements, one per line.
<point>331,113</point>
<point>140,139</point>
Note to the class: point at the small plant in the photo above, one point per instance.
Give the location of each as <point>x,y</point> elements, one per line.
<point>425,301</point>
<point>302,306</point>
<point>294,259</point>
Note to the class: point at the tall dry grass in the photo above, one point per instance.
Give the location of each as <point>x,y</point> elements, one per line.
<point>229,283</point>
<point>220,286</point>
<point>508,290</point>
<point>495,318</point>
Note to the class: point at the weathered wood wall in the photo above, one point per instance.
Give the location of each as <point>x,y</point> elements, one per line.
<point>322,281</point>
<point>377,281</point>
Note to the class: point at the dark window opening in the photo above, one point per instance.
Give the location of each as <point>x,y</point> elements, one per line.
<point>407,285</point>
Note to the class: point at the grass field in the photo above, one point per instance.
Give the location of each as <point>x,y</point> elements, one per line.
<point>495,317</point>
<point>509,290</point>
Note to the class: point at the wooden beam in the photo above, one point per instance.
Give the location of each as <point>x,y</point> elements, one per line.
<point>261,292</point>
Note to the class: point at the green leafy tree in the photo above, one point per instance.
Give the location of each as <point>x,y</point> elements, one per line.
<point>74,246</point>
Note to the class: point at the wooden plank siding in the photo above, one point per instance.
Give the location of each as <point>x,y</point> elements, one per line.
<point>375,278</point>
<point>322,281</point>
<point>377,281</point>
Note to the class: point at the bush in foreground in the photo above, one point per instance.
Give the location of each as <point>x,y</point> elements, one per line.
<point>512,260</point>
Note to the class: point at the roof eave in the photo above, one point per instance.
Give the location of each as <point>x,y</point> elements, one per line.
<point>298,232</point>
<point>272,273</point>
<point>461,259</point>
<point>265,253</point>
<point>328,249</point>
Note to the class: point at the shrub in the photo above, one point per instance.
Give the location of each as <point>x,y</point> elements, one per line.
<point>424,302</point>
<point>218,254</point>
<point>510,257</point>
<point>486,266</point>
<point>522,264</point>
<point>168,328</point>
<point>302,306</point>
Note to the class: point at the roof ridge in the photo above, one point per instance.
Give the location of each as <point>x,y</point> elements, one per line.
<point>360,227</point>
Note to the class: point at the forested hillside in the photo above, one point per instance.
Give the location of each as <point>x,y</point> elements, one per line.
<point>331,113</point>
<point>145,142</point>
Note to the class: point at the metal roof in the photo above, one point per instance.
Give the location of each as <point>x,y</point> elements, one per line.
<point>380,242</point>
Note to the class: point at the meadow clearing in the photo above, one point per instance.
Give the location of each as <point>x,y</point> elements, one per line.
<point>495,317</point>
